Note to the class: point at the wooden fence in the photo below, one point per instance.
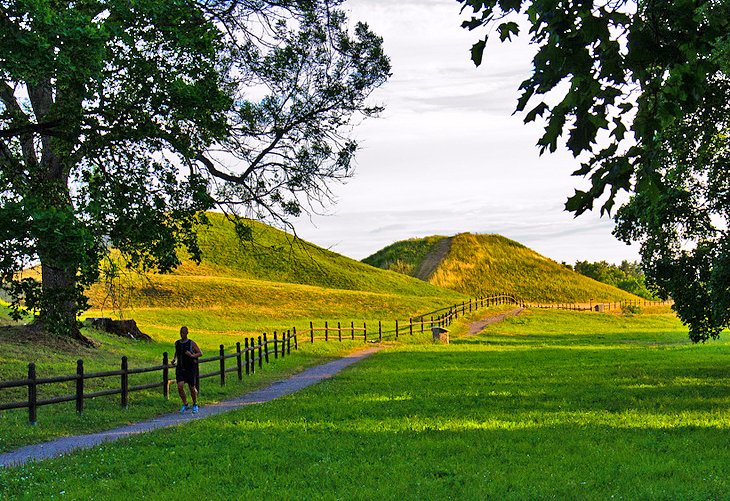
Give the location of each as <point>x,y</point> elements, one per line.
<point>600,306</point>
<point>254,352</point>
<point>442,317</point>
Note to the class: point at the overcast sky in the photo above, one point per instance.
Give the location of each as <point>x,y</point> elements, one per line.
<point>447,156</point>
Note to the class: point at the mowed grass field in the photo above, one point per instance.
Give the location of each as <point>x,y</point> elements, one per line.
<point>547,405</point>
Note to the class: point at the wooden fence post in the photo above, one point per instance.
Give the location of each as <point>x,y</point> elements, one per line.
<point>339,331</point>
<point>396,329</point>
<point>125,383</point>
<point>276,345</point>
<point>32,395</point>
<point>311,331</point>
<point>222,353</point>
<point>352,330</point>
<point>288,346</point>
<point>246,349</point>
<point>266,349</point>
<point>380,331</point>
<point>410,325</point>
<point>196,365</point>
<point>326,332</point>
<point>253,355</point>
<point>261,358</point>
<point>165,376</point>
<point>238,360</point>
<point>365,331</point>
<point>80,385</point>
<point>296,343</point>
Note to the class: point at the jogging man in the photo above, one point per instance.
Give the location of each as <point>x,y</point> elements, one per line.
<point>186,352</point>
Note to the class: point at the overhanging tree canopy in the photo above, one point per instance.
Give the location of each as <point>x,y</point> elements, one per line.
<point>642,92</point>
<point>121,122</point>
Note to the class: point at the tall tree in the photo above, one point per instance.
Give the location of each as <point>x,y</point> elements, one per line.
<point>642,92</point>
<point>122,122</point>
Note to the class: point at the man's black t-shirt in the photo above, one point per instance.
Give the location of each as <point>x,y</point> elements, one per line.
<point>185,369</point>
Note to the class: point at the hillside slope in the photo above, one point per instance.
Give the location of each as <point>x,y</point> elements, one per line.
<point>483,264</point>
<point>272,266</point>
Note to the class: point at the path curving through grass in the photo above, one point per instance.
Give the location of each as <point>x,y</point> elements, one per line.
<point>276,390</point>
<point>481,324</point>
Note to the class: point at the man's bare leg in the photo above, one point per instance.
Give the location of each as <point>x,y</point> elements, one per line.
<point>181,391</point>
<point>193,393</point>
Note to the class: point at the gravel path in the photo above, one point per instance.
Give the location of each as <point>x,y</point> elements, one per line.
<point>278,389</point>
<point>434,257</point>
<point>479,325</point>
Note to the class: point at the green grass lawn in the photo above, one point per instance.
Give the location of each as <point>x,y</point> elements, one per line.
<point>549,404</point>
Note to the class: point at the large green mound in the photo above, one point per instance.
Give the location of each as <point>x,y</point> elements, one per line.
<point>276,256</point>
<point>484,264</point>
<point>272,263</point>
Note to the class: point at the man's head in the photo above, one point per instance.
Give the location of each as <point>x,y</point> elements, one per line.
<point>183,333</point>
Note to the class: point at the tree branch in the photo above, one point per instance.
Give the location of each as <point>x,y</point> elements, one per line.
<point>7,96</point>
<point>45,128</point>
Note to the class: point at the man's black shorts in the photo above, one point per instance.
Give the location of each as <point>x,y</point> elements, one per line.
<point>183,375</point>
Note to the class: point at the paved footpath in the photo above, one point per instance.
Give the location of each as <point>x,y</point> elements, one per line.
<point>278,389</point>
<point>479,325</point>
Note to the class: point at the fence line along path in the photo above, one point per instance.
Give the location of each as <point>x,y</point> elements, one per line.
<point>276,390</point>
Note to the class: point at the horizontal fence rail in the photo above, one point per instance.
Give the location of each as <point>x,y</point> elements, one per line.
<point>601,305</point>
<point>246,358</point>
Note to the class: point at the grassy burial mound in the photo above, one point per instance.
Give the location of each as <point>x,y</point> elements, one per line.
<point>273,277</point>
<point>483,264</point>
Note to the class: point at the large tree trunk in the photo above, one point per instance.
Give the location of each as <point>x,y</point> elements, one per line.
<point>59,307</point>
<point>60,303</point>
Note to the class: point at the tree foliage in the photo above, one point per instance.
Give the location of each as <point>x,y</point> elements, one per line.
<point>122,122</point>
<point>640,92</point>
<point>626,276</point>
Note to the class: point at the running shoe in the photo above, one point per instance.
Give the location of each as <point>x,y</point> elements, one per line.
<point>195,409</point>
<point>184,408</point>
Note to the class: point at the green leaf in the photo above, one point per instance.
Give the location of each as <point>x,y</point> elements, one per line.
<point>506,30</point>
<point>538,110</point>
<point>477,51</point>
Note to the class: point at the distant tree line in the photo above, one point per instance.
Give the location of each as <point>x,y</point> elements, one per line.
<point>626,276</point>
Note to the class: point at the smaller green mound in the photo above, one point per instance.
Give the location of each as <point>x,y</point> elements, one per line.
<point>405,256</point>
<point>479,265</point>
